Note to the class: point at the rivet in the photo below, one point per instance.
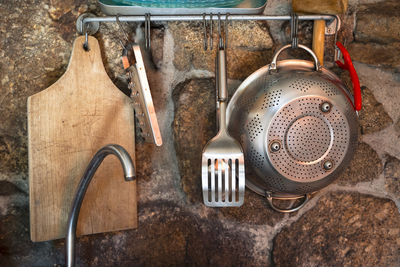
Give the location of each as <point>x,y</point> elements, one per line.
<point>328,165</point>
<point>325,107</point>
<point>275,146</point>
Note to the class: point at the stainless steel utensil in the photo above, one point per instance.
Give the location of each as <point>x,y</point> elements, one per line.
<point>143,102</point>
<point>298,127</point>
<point>223,177</point>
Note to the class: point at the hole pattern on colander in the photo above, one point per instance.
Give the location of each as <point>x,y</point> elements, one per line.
<point>328,88</point>
<point>305,163</point>
<point>271,99</point>
<point>302,189</point>
<point>304,85</point>
<point>267,82</point>
<point>308,138</point>
<point>254,128</point>
<point>275,183</point>
<point>256,158</point>
<point>246,103</point>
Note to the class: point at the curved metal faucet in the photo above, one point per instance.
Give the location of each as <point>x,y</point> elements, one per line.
<point>129,172</point>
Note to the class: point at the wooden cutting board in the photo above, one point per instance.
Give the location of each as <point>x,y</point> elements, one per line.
<point>67,123</point>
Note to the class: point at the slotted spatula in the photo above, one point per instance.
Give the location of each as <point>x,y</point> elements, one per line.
<point>223,176</point>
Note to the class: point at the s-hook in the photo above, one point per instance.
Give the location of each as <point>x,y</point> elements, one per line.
<point>147,30</point>
<point>126,36</point>
<point>223,39</point>
<point>294,25</point>
<point>211,31</point>
<point>205,41</point>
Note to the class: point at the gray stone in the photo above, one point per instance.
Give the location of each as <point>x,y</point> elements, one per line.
<point>194,124</point>
<point>157,46</point>
<point>378,22</point>
<point>343,229</point>
<point>372,117</point>
<point>16,249</point>
<point>392,176</point>
<point>255,210</point>
<point>385,55</point>
<point>249,48</point>
<point>364,167</point>
<point>169,236</point>
<point>7,189</point>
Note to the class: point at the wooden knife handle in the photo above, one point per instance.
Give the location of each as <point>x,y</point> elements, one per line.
<point>319,39</point>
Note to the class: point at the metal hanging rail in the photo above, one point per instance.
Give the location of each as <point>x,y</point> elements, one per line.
<point>88,24</point>
<point>208,17</point>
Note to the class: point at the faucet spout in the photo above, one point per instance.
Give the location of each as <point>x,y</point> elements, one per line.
<point>129,172</point>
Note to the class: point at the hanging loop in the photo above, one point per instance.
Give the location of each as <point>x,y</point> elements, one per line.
<point>226,30</point>
<point>220,38</point>
<point>337,54</point>
<point>126,36</point>
<point>147,30</point>
<point>205,39</point>
<point>86,43</point>
<point>211,31</point>
<point>294,25</point>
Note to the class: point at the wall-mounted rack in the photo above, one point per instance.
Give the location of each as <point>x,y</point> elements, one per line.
<point>89,24</point>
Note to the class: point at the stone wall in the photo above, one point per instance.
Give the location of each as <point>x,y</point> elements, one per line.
<point>353,222</point>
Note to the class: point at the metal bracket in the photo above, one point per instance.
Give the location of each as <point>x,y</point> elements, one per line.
<point>331,27</point>
<point>90,27</point>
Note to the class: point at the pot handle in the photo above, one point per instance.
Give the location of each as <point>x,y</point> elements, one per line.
<point>273,65</point>
<point>348,65</point>
<point>270,199</point>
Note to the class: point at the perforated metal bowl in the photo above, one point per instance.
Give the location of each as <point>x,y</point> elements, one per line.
<point>297,125</point>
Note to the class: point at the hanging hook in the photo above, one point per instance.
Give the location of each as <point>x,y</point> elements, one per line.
<point>86,43</point>
<point>226,29</point>
<point>123,31</point>
<point>211,31</point>
<point>147,30</point>
<point>337,54</point>
<point>294,24</point>
<point>205,39</point>
<point>220,39</point>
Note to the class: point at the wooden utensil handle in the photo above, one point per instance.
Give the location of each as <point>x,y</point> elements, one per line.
<point>319,39</point>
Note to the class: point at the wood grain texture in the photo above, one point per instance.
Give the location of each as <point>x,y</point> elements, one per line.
<point>331,7</point>
<point>67,123</point>
<point>318,45</point>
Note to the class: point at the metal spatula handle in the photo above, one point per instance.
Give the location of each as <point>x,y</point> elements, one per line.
<point>222,90</point>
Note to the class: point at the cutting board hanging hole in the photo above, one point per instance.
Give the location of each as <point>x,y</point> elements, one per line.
<point>86,47</point>
<point>86,43</point>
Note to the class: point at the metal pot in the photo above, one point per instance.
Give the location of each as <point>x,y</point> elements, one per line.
<point>298,127</point>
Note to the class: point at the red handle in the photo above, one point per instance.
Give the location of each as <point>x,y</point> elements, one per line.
<point>348,65</point>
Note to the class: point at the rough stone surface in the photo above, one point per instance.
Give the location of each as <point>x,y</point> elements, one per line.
<point>255,210</point>
<point>16,249</point>
<point>173,237</point>
<point>378,22</point>
<point>364,167</point>
<point>392,176</point>
<point>194,125</point>
<point>249,48</point>
<point>7,189</point>
<point>373,117</point>
<point>342,230</point>
<point>376,54</point>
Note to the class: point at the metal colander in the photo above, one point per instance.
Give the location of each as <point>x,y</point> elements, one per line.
<point>297,126</point>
